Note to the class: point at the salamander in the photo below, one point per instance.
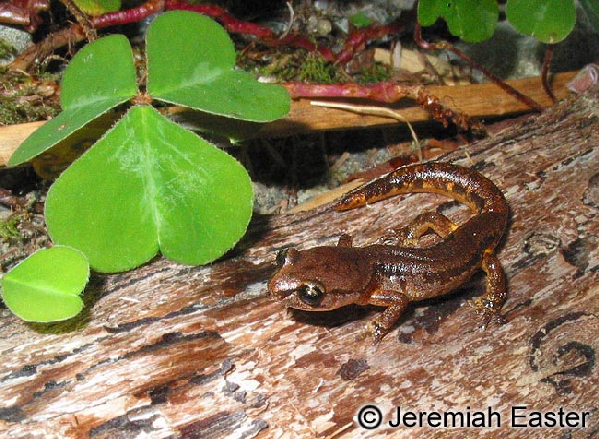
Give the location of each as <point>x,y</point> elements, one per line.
<point>393,274</point>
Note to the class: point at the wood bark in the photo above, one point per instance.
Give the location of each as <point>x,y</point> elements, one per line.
<point>169,351</point>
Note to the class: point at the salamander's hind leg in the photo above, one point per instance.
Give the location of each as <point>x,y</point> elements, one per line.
<point>489,305</point>
<point>395,302</point>
<point>411,234</point>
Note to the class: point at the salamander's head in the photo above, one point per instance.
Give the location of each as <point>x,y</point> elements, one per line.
<point>319,279</point>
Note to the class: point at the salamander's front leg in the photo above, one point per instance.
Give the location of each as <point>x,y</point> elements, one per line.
<point>491,302</point>
<point>411,234</point>
<point>395,302</point>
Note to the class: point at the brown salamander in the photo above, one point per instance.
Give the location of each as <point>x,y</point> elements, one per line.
<point>391,276</point>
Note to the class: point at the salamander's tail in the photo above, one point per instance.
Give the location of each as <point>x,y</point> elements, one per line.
<point>462,184</point>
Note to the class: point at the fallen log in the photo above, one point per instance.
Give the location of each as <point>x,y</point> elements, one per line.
<point>186,352</point>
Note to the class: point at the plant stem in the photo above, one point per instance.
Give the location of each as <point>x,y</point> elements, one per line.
<point>545,71</point>
<point>448,46</point>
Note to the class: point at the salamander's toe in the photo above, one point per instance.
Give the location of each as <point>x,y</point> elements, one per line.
<point>487,311</point>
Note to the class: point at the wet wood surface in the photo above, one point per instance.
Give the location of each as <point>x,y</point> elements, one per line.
<point>169,351</point>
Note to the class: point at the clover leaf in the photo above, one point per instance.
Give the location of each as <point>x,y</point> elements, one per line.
<point>197,69</point>
<point>154,186</point>
<point>100,77</point>
<point>47,285</point>
<point>549,21</point>
<point>471,20</point>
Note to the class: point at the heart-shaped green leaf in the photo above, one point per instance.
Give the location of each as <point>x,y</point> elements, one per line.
<point>549,21</point>
<point>149,184</point>
<point>100,77</point>
<point>191,62</point>
<point>471,20</point>
<point>47,285</point>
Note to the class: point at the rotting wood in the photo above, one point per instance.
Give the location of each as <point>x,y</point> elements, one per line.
<point>475,100</point>
<point>181,352</point>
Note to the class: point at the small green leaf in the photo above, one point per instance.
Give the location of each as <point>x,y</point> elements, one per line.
<point>360,20</point>
<point>98,7</point>
<point>149,184</point>
<point>471,20</point>
<point>191,62</point>
<point>550,21</point>
<point>47,285</point>
<point>100,77</point>
<point>430,11</point>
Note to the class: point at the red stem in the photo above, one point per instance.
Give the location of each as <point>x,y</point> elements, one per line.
<point>355,41</point>
<point>129,15</point>
<point>545,71</point>
<point>358,38</point>
<point>231,23</point>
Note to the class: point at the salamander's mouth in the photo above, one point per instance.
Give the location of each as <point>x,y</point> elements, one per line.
<point>282,295</point>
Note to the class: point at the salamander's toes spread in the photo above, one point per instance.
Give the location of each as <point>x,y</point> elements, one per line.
<point>487,310</point>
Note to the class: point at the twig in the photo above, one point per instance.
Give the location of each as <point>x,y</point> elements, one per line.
<point>45,48</point>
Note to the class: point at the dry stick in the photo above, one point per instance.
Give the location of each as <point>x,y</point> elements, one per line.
<point>448,46</point>
<point>545,71</point>
<point>45,48</point>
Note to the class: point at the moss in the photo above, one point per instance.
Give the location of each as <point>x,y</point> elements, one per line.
<point>316,70</point>
<point>6,49</point>
<point>26,99</point>
<point>374,74</point>
<point>299,65</point>
<point>8,227</point>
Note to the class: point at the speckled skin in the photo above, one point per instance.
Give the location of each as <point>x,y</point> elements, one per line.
<point>329,277</point>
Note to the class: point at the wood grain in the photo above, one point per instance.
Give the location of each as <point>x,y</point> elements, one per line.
<point>169,351</point>
<point>476,100</point>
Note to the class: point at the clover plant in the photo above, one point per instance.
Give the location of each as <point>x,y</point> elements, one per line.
<point>148,184</point>
<point>550,21</point>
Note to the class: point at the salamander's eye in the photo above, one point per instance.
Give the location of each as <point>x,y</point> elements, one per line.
<point>311,294</point>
